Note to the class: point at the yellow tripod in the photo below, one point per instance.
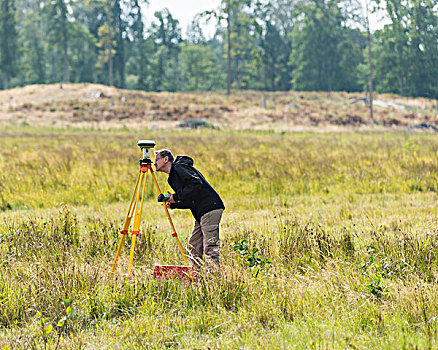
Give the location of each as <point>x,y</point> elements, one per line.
<point>136,206</point>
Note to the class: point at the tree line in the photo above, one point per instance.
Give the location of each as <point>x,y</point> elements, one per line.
<point>275,45</point>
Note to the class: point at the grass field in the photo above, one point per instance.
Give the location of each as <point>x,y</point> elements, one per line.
<point>350,222</point>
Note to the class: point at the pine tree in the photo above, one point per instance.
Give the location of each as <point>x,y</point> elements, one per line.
<point>8,41</point>
<point>56,12</point>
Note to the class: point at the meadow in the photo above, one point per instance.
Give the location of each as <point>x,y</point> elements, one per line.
<point>348,220</point>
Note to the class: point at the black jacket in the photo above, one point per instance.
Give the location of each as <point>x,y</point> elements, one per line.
<point>192,191</point>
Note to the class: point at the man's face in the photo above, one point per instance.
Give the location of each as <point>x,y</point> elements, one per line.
<point>160,162</point>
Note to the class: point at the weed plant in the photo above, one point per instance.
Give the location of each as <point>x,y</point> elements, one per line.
<point>349,222</point>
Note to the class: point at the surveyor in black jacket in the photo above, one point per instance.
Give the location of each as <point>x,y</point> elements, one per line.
<point>192,191</point>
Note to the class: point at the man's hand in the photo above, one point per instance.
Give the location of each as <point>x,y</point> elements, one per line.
<point>170,200</point>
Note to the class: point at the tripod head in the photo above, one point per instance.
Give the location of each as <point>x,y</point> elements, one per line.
<point>145,146</point>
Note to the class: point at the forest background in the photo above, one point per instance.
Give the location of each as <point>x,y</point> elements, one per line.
<point>277,45</point>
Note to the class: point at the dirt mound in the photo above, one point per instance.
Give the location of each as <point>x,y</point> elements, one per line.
<point>89,105</point>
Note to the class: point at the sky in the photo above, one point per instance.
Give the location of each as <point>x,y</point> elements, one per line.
<point>185,10</point>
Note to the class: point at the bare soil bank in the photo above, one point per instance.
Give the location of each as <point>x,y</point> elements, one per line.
<point>100,106</point>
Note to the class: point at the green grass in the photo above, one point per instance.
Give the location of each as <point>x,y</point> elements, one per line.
<point>349,221</point>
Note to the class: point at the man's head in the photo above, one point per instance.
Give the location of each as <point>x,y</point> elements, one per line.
<point>163,160</point>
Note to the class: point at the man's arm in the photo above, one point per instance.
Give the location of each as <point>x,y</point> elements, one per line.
<point>178,205</point>
<point>171,204</point>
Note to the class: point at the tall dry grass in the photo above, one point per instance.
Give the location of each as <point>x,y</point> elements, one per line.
<point>349,222</point>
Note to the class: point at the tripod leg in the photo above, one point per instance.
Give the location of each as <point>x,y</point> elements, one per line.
<point>174,234</point>
<point>136,226</point>
<point>132,206</point>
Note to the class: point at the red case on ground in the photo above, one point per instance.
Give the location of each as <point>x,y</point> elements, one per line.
<point>174,271</point>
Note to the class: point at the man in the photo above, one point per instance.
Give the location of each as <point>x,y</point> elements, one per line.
<point>192,191</point>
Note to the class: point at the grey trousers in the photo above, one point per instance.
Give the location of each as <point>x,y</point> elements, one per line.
<point>205,240</point>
